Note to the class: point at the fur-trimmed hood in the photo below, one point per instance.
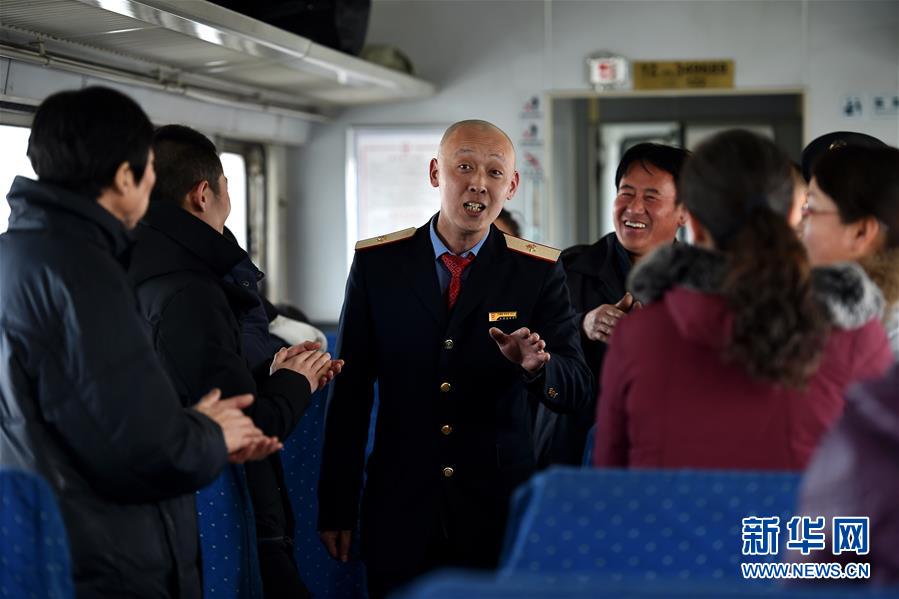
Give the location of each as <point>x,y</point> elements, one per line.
<point>850,298</point>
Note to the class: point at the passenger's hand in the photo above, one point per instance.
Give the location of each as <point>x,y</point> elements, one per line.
<point>599,323</point>
<point>334,369</point>
<point>337,542</point>
<point>286,353</point>
<point>522,347</point>
<point>237,428</point>
<point>312,364</point>
<point>299,348</point>
<point>257,450</point>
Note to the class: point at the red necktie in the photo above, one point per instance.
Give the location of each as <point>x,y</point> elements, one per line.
<point>455,264</point>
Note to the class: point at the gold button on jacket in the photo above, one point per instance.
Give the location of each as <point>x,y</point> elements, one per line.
<point>448,344</point>
<point>448,472</point>
<point>446,429</point>
<point>445,387</point>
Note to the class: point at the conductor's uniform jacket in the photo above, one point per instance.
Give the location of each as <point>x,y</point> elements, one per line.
<point>454,426</point>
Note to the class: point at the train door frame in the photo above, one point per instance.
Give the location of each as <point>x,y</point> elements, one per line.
<point>566,196</point>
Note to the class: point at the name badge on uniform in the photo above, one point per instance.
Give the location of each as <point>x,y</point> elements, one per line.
<point>497,316</point>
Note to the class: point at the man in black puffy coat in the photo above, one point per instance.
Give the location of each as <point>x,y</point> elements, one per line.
<point>83,399</point>
<point>188,287</point>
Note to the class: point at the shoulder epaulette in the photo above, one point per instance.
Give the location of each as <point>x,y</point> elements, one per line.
<point>364,244</point>
<point>529,248</point>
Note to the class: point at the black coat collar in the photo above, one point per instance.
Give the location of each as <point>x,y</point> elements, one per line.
<point>42,206</point>
<point>599,258</point>
<point>201,244</point>
<point>171,240</point>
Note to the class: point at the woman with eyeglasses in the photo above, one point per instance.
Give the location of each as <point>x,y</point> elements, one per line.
<point>856,468</point>
<point>853,193</point>
<point>742,352</point>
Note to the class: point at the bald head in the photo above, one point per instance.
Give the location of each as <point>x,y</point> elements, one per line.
<point>475,171</point>
<point>474,126</point>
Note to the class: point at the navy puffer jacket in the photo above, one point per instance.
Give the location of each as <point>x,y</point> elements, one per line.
<point>85,402</point>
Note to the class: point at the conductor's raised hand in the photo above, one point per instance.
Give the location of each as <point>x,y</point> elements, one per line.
<point>522,347</point>
<point>337,542</point>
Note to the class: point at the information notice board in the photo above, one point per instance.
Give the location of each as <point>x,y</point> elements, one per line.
<point>388,185</point>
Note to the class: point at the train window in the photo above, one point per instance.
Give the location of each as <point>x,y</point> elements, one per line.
<point>14,141</point>
<point>387,181</point>
<point>235,168</point>
<point>244,164</point>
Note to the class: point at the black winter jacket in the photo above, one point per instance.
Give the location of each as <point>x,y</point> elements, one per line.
<point>596,274</point>
<point>85,402</point>
<point>179,271</point>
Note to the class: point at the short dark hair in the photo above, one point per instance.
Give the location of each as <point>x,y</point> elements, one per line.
<point>670,159</point>
<point>80,138</point>
<point>511,223</point>
<point>862,182</point>
<point>184,157</point>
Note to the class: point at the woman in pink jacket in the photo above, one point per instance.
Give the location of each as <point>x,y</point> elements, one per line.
<point>741,355</point>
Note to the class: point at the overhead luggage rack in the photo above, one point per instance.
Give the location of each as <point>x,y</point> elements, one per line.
<point>197,48</point>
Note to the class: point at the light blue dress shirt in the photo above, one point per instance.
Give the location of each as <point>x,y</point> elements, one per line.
<point>443,273</point>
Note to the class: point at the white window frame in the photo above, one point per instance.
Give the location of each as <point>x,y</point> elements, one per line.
<point>428,135</point>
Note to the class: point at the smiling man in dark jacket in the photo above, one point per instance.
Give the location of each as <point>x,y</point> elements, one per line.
<point>647,214</point>
<point>83,399</point>
<point>182,273</point>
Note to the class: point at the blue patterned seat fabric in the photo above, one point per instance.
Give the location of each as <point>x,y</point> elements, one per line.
<point>461,584</point>
<point>301,457</point>
<point>34,549</point>
<point>228,538</point>
<point>639,525</point>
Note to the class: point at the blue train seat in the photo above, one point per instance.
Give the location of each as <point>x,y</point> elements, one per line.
<point>642,525</point>
<point>461,584</point>
<point>323,576</point>
<point>228,538</point>
<point>34,548</point>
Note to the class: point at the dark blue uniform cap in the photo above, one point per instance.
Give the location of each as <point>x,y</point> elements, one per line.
<point>832,141</point>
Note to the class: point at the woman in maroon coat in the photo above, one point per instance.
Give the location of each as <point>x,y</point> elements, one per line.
<point>742,354</point>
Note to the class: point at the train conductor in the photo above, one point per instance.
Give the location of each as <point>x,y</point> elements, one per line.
<point>464,329</point>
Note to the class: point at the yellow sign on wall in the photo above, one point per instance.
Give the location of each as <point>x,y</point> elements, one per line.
<point>684,74</point>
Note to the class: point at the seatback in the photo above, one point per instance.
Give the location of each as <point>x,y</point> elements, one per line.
<point>228,538</point>
<point>34,548</point>
<point>648,525</point>
<point>471,584</point>
<point>323,576</point>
